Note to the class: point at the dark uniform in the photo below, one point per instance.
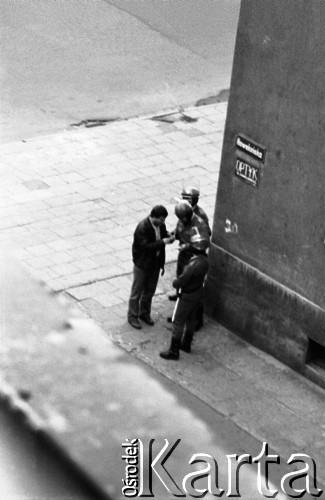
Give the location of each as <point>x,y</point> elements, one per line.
<point>198,225</point>
<point>184,233</point>
<point>202,215</point>
<point>190,283</point>
<point>192,194</point>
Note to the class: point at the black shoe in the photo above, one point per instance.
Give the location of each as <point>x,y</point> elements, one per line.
<point>147,320</point>
<point>172,352</point>
<point>173,298</point>
<point>169,355</point>
<point>135,323</point>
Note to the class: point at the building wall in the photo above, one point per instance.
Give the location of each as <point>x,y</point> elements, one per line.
<point>267,276</point>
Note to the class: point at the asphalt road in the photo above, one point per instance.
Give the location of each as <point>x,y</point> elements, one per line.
<point>65,61</point>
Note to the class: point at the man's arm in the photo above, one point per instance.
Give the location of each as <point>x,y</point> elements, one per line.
<point>185,277</point>
<point>142,239</point>
<point>167,234</point>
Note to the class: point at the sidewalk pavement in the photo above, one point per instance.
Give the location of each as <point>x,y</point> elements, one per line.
<point>68,207</point>
<point>70,202</point>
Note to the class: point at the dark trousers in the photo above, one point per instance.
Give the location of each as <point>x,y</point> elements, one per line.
<point>143,289</point>
<point>182,260</point>
<point>185,316</point>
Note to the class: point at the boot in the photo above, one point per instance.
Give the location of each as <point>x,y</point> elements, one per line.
<point>186,342</point>
<point>173,351</point>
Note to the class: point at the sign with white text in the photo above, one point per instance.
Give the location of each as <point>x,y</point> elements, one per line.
<point>247,172</point>
<point>251,148</point>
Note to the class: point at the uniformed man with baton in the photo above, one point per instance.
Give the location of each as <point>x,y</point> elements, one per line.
<point>190,294</point>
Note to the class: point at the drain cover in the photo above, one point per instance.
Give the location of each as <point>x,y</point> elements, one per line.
<point>94,122</point>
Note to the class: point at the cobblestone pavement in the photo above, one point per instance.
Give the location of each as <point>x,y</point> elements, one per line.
<point>70,201</point>
<point>68,207</point>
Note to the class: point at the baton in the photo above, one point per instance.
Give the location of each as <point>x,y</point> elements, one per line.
<point>176,306</point>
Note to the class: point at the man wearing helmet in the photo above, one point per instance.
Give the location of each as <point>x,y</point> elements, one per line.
<point>191,194</point>
<point>190,282</point>
<point>188,225</point>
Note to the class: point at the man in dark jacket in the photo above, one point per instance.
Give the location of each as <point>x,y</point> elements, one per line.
<point>148,252</point>
<point>190,285</point>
